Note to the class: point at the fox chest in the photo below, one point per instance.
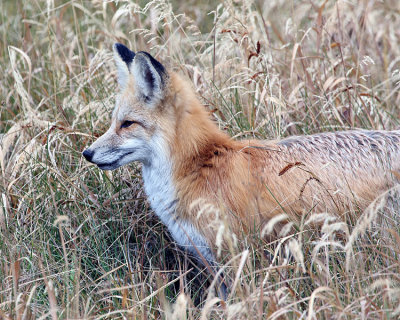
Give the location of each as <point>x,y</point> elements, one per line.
<point>160,191</point>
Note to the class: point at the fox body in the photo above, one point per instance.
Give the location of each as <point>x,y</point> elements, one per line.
<point>197,178</point>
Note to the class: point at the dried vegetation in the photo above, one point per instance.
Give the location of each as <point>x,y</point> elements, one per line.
<point>78,243</point>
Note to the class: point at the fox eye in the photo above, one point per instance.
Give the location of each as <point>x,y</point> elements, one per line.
<point>127,123</point>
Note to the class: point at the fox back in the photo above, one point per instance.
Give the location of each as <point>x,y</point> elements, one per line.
<point>197,178</point>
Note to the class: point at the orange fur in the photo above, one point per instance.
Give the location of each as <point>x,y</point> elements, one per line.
<point>197,177</point>
<point>253,181</point>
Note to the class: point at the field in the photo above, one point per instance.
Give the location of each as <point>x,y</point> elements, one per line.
<point>80,243</point>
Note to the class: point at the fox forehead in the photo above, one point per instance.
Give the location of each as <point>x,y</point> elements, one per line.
<point>126,105</point>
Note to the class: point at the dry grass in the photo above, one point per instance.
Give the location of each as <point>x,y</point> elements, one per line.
<point>80,243</point>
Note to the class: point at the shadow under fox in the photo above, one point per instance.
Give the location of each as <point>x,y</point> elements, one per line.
<point>197,178</point>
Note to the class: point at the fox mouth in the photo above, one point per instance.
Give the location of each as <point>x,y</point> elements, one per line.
<point>110,160</point>
<point>111,165</point>
<point>108,166</point>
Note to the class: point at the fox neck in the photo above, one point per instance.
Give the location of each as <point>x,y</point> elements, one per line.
<point>180,149</point>
<point>197,142</point>
<point>194,132</point>
<point>158,184</point>
<point>161,192</point>
<point>174,156</point>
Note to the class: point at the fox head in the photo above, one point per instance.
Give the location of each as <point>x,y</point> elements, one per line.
<point>140,117</point>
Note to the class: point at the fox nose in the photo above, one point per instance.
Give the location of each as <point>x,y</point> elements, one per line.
<point>88,154</point>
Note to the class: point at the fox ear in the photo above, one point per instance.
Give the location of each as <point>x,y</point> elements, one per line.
<point>123,59</point>
<point>150,77</point>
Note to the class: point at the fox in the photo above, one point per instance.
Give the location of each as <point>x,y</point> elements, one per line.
<point>195,174</point>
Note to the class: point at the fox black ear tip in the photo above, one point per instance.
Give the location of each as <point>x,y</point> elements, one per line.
<point>124,52</point>
<point>118,46</point>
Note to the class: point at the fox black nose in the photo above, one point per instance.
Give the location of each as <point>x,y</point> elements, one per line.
<point>88,154</point>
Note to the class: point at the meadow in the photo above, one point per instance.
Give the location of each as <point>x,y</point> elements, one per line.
<point>80,243</point>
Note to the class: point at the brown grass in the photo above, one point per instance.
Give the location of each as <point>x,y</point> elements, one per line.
<point>78,243</point>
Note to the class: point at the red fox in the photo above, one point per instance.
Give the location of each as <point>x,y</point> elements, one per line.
<point>195,174</point>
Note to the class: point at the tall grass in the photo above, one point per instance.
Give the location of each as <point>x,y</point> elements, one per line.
<point>79,243</point>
